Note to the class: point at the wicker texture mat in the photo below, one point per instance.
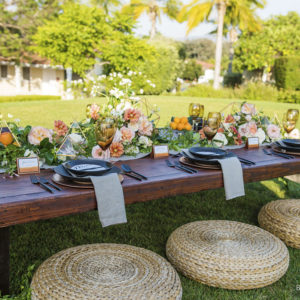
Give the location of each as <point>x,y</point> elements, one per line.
<point>227,254</point>
<point>106,271</point>
<point>282,218</point>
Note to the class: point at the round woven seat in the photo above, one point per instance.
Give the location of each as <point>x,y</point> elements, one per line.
<point>227,254</point>
<point>105,271</point>
<point>282,218</point>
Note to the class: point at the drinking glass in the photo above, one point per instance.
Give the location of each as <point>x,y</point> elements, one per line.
<point>215,115</point>
<point>105,130</point>
<point>211,127</point>
<point>196,110</point>
<point>288,122</point>
<point>293,115</point>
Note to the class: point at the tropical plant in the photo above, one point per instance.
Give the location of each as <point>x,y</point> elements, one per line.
<point>153,9</point>
<point>200,10</point>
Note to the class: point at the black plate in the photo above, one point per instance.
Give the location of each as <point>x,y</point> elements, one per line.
<point>62,172</point>
<point>74,166</point>
<point>206,161</point>
<point>206,152</point>
<point>292,143</point>
<point>282,145</point>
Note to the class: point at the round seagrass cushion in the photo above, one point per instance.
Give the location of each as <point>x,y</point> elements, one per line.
<point>227,254</point>
<point>105,271</point>
<point>282,218</point>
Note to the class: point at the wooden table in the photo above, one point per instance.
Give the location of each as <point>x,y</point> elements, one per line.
<point>22,202</point>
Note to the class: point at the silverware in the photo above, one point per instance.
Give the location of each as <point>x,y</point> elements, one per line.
<point>277,154</point>
<point>35,180</point>
<point>246,161</point>
<point>127,169</point>
<point>46,181</point>
<point>132,176</point>
<point>188,168</point>
<point>171,165</point>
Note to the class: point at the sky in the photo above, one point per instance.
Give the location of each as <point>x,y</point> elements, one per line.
<point>177,31</point>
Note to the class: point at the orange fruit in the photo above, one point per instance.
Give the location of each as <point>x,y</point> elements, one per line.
<point>6,138</point>
<point>188,126</point>
<point>176,120</point>
<point>173,125</point>
<point>184,120</point>
<point>180,126</point>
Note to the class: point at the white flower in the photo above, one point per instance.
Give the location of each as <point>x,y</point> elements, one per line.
<point>220,139</point>
<point>125,81</point>
<point>116,93</point>
<point>117,137</point>
<point>148,81</point>
<point>76,138</point>
<point>120,75</point>
<point>4,163</point>
<point>230,134</point>
<point>145,141</point>
<point>237,118</point>
<point>261,135</point>
<point>129,73</point>
<point>135,99</point>
<point>248,118</point>
<point>153,85</point>
<point>140,73</point>
<point>17,120</point>
<point>110,107</point>
<point>141,91</point>
<point>294,134</point>
<point>132,150</point>
<point>29,153</point>
<point>226,126</point>
<point>134,127</point>
<point>179,80</point>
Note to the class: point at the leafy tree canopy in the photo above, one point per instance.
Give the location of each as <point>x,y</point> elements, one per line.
<point>19,20</point>
<point>80,34</point>
<point>279,37</point>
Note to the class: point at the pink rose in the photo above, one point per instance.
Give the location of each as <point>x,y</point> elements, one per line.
<point>94,111</point>
<point>145,127</point>
<point>116,149</point>
<point>252,127</point>
<point>60,128</point>
<point>127,134</point>
<point>97,152</point>
<point>37,134</point>
<point>132,115</point>
<point>248,109</point>
<point>273,131</point>
<point>229,119</point>
<point>244,130</point>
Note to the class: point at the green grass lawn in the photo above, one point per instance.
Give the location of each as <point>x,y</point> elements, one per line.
<point>150,224</point>
<point>45,112</point>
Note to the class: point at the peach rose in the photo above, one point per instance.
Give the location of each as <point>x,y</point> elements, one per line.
<point>60,128</point>
<point>248,109</point>
<point>252,127</point>
<point>127,134</point>
<point>94,110</point>
<point>145,126</point>
<point>97,152</point>
<point>37,134</point>
<point>133,115</point>
<point>273,131</point>
<point>116,149</point>
<point>229,119</point>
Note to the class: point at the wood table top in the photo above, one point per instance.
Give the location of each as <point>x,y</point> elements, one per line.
<point>21,201</point>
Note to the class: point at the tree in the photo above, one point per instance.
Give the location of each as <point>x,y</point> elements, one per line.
<point>200,10</point>
<point>279,37</point>
<point>153,8</point>
<point>80,34</point>
<point>17,25</point>
<point>106,5</point>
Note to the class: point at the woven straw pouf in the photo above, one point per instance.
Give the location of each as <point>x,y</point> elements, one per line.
<point>105,271</point>
<point>227,254</point>
<point>282,218</point>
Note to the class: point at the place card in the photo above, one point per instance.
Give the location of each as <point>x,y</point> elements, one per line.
<point>252,142</point>
<point>28,165</point>
<point>160,151</point>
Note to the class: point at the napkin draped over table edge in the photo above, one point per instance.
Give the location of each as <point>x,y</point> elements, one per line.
<point>110,199</point>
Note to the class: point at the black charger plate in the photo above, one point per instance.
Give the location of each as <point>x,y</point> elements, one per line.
<point>62,172</point>
<point>210,153</point>
<point>292,143</point>
<point>74,166</point>
<point>282,145</point>
<point>206,161</point>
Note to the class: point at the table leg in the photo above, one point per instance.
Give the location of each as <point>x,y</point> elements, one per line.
<point>4,260</point>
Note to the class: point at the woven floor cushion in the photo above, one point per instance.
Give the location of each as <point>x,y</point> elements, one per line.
<point>282,218</point>
<point>227,254</point>
<point>105,271</point>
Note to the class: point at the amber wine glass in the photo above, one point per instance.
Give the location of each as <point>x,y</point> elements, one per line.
<point>105,130</point>
<point>211,127</point>
<point>215,115</point>
<point>288,123</point>
<point>293,115</point>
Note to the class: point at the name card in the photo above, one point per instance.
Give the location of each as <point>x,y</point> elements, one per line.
<point>252,142</point>
<point>160,151</point>
<point>28,165</point>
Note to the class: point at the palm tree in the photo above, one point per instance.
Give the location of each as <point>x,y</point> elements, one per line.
<point>200,10</point>
<point>153,8</point>
<point>105,4</point>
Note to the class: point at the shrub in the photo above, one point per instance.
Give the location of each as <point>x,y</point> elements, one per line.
<point>286,71</point>
<point>192,70</point>
<point>289,96</point>
<point>233,80</point>
<point>21,98</point>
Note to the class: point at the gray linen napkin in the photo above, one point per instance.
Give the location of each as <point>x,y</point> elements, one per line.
<point>233,177</point>
<point>110,199</point>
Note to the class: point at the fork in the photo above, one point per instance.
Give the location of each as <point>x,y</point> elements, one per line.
<point>171,165</point>
<point>277,154</point>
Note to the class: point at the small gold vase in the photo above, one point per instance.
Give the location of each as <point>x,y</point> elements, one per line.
<point>105,130</point>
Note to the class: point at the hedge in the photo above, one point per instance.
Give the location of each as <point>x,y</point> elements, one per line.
<point>286,72</point>
<point>22,98</point>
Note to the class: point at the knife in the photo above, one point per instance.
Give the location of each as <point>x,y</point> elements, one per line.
<point>35,180</point>
<point>46,181</point>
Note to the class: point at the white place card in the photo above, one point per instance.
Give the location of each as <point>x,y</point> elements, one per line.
<point>252,142</point>
<point>28,165</point>
<point>160,151</point>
